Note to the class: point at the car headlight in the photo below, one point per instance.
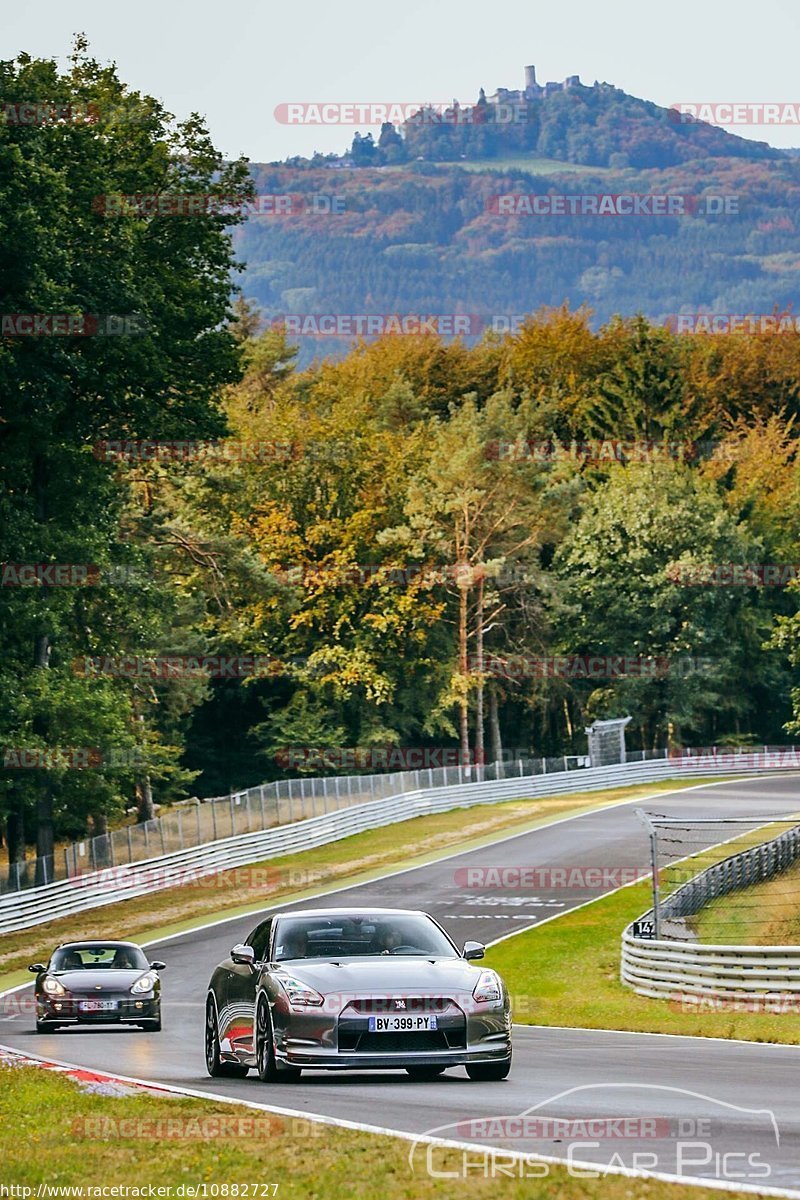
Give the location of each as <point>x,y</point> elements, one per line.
<point>299,994</point>
<point>53,987</point>
<point>145,984</point>
<point>487,988</point>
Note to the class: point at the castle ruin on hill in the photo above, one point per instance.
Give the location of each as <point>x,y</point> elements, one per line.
<point>532,90</point>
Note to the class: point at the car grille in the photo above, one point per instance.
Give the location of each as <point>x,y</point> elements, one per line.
<point>411,1004</point>
<point>364,1042</point>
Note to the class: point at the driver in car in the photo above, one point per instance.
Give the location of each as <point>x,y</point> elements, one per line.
<point>124,960</point>
<point>296,944</point>
<point>389,939</point>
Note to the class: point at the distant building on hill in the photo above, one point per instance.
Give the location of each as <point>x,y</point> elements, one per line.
<point>532,90</point>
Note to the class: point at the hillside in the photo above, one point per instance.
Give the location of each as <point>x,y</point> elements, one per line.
<point>464,217</point>
<point>597,126</point>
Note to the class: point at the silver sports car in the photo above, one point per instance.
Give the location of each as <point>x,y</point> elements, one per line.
<point>355,989</point>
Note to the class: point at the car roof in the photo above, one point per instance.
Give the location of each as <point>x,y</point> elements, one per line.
<point>353,912</point>
<point>87,942</point>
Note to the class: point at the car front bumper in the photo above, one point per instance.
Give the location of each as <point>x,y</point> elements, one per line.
<point>345,1044</point>
<point>66,1010</point>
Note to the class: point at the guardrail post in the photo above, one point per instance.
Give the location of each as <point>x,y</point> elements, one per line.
<point>263,818</point>
<point>214,817</point>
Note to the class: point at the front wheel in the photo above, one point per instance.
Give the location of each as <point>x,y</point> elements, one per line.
<point>425,1072</point>
<point>46,1026</point>
<point>489,1072</point>
<point>153,1025</point>
<point>268,1069</point>
<point>214,1064</point>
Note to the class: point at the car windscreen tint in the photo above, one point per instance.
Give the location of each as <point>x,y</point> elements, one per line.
<point>345,936</point>
<point>112,958</point>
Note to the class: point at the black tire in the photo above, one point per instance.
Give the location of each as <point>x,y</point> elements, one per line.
<point>269,1070</point>
<point>490,1072</point>
<point>214,1065</point>
<point>46,1026</point>
<point>152,1025</point>
<point>421,1073</point>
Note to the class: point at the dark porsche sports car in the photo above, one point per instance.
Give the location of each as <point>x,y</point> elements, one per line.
<point>89,983</point>
<point>355,989</point>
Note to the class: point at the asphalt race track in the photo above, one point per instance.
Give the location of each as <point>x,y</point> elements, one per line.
<point>726,1110</point>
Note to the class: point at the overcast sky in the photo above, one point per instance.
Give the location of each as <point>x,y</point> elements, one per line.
<point>235,63</point>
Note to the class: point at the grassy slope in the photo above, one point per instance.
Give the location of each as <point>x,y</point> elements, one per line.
<point>766,914</point>
<point>306,1161</point>
<point>248,889</point>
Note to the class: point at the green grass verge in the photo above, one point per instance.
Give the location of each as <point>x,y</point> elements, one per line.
<point>295,876</point>
<point>89,1140</point>
<point>567,973</point>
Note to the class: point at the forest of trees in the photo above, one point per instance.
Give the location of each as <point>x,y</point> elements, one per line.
<point>403,535</point>
<point>429,239</point>
<point>597,126</point>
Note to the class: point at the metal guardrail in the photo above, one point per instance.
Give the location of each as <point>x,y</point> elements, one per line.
<point>26,909</point>
<point>667,970</point>
<point>196,823</point>
<point>677,968</point>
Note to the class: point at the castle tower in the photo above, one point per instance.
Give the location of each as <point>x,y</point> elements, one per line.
<point>530,78</point>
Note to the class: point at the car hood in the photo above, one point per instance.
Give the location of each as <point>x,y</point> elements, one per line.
<point>91,981</point>
<point>382,974</point>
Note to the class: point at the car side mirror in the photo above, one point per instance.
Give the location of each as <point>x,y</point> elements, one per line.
<point>244,956</point>
<point>37,968</point>
<point>158,965</point>
<point>474,950</point>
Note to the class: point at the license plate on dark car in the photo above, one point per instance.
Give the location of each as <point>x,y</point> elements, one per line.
<point>91,1006</point>
<point>401,1024</point>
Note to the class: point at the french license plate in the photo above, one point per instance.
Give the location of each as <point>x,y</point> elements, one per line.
<point>89,1006</point>
<point>400,1024</point>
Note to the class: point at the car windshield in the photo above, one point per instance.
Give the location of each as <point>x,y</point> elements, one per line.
<point>348,935</point>
<point>98,957</point>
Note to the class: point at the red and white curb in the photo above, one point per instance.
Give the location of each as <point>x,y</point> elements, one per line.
<point>99,1083</point>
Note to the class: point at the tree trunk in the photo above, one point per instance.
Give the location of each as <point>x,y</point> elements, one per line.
<point>102,854</point>
<point>15,837</point>
<point>568,722</point>
<point>144,791</point>
<point>495,739</point>
<point>480,754</point>
<point>144,799</point>
<point>45,833</point>
<point>463,615</point>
